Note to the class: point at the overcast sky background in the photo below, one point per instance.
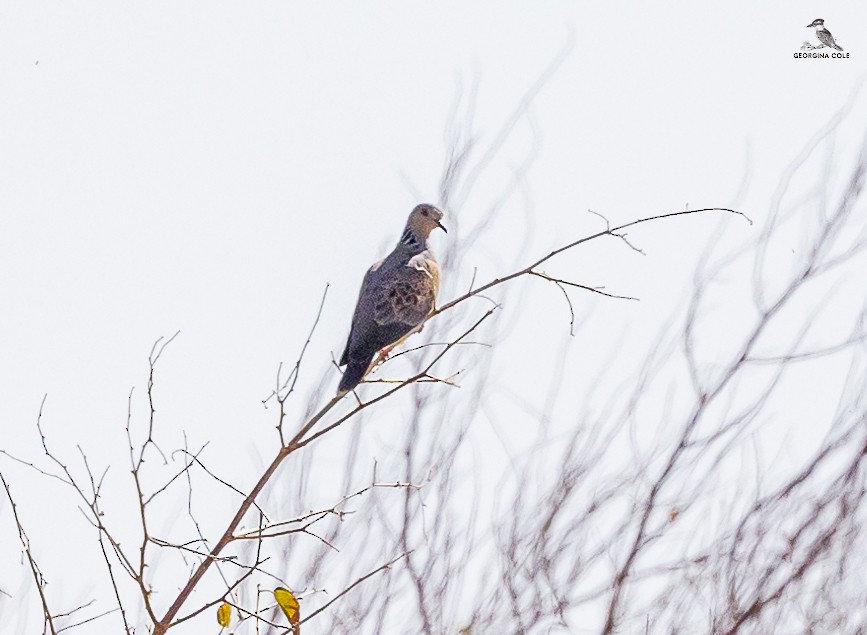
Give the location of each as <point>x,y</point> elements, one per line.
<point>209,167</point>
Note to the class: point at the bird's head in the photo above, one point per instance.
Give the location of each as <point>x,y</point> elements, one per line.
<point>424,219</point>
<point>816,22</point>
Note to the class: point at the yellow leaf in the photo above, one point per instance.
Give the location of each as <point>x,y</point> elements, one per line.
<point>224,614</point>
<point>290,607</point>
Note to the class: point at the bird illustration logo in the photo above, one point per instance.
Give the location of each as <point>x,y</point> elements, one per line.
<point>824,35</point>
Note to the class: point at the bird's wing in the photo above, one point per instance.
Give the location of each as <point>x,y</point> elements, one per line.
<point>409,294</point>
<point>826,38</point>
<point>390,307</point>
<point>376,265</point>
<point>364,284</point>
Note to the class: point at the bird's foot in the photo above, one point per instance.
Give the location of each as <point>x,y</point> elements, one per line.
<point>382,355</point>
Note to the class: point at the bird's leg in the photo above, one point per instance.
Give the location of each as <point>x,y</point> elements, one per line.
<point>383,355</point>
<point>386,350</point>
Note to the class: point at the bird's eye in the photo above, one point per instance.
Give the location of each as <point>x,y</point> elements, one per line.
<point>424,212</point>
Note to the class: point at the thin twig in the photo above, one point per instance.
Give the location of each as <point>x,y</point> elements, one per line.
<point>34,568</point>
<point>387,565</point>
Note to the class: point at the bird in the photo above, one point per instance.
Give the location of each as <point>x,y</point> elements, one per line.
<point>397,295</point>
<point>824,34</point>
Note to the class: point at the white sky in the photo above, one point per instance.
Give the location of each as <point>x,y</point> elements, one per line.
<point>208,167</point>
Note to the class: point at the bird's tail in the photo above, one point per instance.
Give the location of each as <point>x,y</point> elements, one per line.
<point>352,376</point>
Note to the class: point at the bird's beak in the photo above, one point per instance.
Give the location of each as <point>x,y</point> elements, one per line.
<point>440,225</point>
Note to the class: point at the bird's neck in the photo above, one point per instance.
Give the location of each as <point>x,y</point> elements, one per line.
<point>411,240</point>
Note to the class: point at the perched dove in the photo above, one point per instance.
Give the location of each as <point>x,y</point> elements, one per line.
<point>397,294</point>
